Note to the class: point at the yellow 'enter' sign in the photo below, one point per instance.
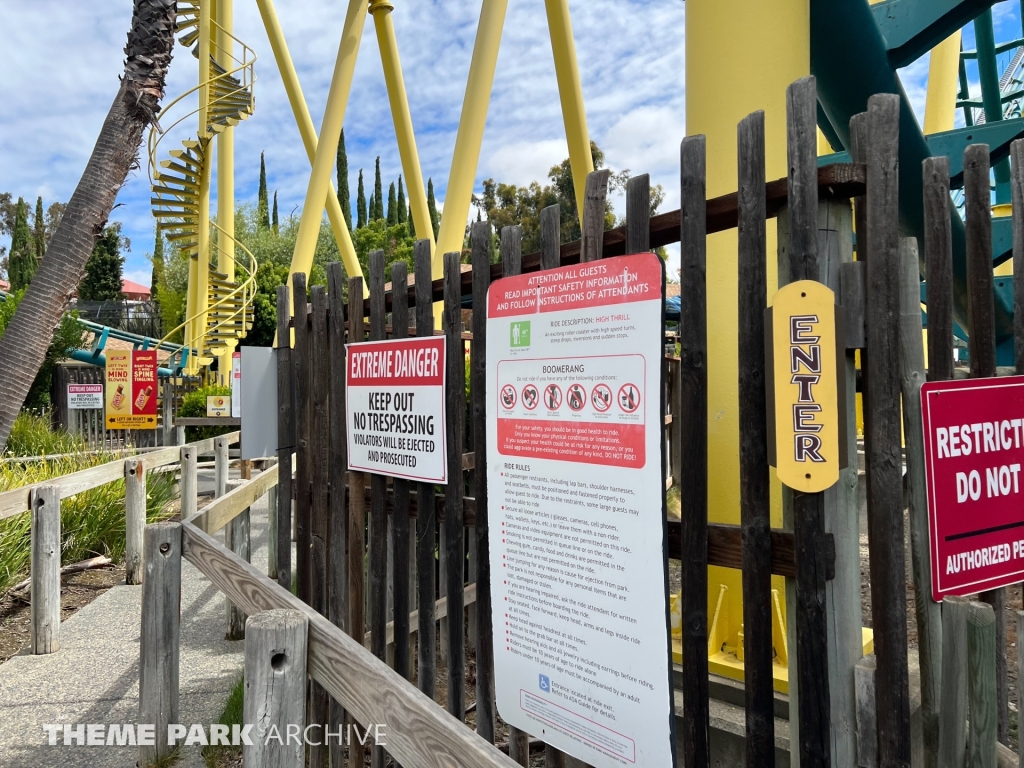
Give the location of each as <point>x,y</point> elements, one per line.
<point>802,351</point>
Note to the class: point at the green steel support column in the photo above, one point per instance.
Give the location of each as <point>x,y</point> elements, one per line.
<point>991,95</point>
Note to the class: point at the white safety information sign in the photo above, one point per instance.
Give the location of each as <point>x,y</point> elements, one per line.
<point>395,408</point>
<point>82,397</point>
<point>576,509</point>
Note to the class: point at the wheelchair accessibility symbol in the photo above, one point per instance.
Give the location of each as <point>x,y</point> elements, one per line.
<point>545,684</point>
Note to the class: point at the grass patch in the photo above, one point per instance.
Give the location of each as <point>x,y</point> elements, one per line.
<point>31,436</point>
<point>673,502</point>
<point>220,755</point>
<point>92,522</point>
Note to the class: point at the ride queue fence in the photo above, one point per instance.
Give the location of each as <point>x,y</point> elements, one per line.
<point>366,547</point>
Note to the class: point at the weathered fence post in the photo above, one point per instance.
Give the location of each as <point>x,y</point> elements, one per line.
<point>300,360</point>
<point>220,466</point>
<point>179,435</point>
<point>981,686</point>
<point>237,540</point>
<point>275,687</point>
<point>167,410</point>
<point>882,434</point>
<point>927,611</point>
<point>337,526</point>
<point>45,569</point>
<point>272,531</point>
<point>953,709</point>
<point>160,637</point>
<point>285,441</point>
<point>982,345</point>
<point>134,519</point>
<point>189,483</point>
<point>693,484</point>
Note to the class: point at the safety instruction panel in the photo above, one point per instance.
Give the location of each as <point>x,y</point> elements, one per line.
<point>395,408</point>
<point>576,509</point>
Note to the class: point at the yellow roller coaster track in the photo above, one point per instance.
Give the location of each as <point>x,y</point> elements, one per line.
<point>225,99</point>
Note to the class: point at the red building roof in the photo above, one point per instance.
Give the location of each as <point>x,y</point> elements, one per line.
<point>136,291</point>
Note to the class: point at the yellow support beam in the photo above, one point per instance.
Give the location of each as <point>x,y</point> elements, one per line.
<point>720,34</point>
<point>462,176</point>
<point>567,72</point>
<point>307,132</point>
<point>225,168</point>
<point>388,45</point>
<point>327,146</point>
<point>943,84</point>
<point>202,275</point>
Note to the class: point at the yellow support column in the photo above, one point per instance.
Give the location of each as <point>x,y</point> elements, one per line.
<point>202,274</point>
<point>308,132</point>
<point>720,36</point>
<point>381,11</point>
<point>943,84</point>
<point>567,72</point>
<point>462,176</point>
<point>225,170</point>
<point>327,146</point>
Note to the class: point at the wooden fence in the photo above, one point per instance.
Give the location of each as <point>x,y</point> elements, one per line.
<point>380,561</point>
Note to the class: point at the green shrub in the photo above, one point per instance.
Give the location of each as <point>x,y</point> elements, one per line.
<point>32,436</point>
<point>92,522</point>
<point>194,404</point>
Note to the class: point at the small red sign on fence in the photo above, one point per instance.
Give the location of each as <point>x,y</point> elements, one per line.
<point>974,450</point>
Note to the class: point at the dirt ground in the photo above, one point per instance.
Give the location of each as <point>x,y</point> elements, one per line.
<point>77,589</point>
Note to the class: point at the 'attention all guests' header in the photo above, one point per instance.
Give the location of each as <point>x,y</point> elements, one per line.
<point>617,280</point>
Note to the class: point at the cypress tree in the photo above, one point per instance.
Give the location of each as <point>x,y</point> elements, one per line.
<point>392,206</point>
<point>262,207</point>
<point>360,203</point>
<point>102,281</point>
<point>343,196</point>
<point>402,208</point>
<point>275,223</point>
<point>411,223</point>
<point>373,208</point>
<point>435,217</point>
<point>39,233</point>
<point>378,195</point>
<point>158,268</point>
<point>21,264</point>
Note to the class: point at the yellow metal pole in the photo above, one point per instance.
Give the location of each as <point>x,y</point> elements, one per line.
<point>470,136</point>
<point>225,169</point>
<point>203,252</point>
<point>327,146</point>
<point>720,35</point>
<point>943,84</point>
<point>567,72</point>
<point>381,11</point>
<point>308,132</point>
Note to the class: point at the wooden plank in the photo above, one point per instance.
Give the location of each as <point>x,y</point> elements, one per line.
<point>275,690</point>
<point>364,685</point>
<point>319,457</point>
<point>135,519</point>
<point>285,439</point>
<point>638,214</point>
<point>378,545</point>
<point>300,357</point>
<point>160,635</point>
<point>953,711</point>
<point>220,512</point>
<point>356,519</point>
<point>981,342</point>
<point>512,265</point>
<point>693,410</point>
<point>550,237</point>
<point>808,508</point>
<point>882,429</point>
<point>927,612</point>
<point>981,682</point>
<point>45,569</point>
<point>208,421</point>
<point>400,518</point>
<point>454,531</point>
<point>189,484</point>
<point>938,250</point>
<point>337,524</point>
<point>426,524</point>
<point>851,297</point>
<point>481,235</point>
<point>594,196</point>
<point>867,721</point>
<point>440,610</point>
<point>754,478</point>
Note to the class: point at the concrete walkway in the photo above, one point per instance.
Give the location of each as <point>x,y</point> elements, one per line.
<point>94,678</point>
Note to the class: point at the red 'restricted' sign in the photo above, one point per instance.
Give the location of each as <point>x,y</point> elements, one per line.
<point>974,451</point>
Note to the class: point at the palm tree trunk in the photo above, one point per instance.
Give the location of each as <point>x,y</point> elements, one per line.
<point>24,343</point>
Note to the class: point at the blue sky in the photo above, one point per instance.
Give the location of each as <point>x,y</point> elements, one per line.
<point>61,61</point>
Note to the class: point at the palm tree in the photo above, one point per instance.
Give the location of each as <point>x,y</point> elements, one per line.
<point>24,343</point>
